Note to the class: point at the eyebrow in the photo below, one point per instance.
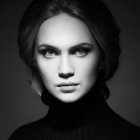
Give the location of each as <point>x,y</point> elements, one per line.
<point>84,44</point>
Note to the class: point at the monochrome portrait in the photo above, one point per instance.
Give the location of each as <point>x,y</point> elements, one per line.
<point>70,70</point>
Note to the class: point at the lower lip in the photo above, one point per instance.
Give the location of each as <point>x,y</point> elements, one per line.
<point>68,89</point>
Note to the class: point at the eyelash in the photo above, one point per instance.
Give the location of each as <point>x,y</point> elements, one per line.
<point>82,50</point>
<point>46,50</point>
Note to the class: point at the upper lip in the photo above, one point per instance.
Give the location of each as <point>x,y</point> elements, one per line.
<point>67,84</point>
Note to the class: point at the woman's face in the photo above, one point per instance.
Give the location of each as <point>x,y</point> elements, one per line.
<point>67,57</point>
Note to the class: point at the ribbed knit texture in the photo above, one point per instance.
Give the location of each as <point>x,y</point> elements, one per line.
<point>90,118</point>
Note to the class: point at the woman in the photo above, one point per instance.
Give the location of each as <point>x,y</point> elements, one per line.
<point>71,48</point>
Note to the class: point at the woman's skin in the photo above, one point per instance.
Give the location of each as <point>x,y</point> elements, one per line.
<point>67,57</point>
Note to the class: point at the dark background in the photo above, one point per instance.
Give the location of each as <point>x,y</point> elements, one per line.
<point>18,103</point>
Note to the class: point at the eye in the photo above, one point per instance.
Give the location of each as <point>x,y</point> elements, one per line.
<point>80,52</point>
<point>48,53</point>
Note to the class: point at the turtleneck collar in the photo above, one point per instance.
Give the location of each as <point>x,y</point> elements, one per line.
<point>67,115</point>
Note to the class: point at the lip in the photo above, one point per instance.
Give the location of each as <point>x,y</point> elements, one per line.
<point>68,87</point>
<point>64,84</point>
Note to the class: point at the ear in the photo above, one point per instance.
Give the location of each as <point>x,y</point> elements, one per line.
<point>36,86</point>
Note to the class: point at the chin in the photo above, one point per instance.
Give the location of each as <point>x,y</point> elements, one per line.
<point>69,98</point>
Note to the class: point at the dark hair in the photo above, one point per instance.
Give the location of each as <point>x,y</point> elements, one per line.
<point>92,12</point>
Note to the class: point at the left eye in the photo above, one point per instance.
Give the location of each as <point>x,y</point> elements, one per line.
<point>81,52</point>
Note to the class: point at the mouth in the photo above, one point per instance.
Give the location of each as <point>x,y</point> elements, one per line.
<point>68,87</point>
<point>67,84</point>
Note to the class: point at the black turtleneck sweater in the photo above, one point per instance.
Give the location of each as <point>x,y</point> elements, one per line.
<point>90,118</point>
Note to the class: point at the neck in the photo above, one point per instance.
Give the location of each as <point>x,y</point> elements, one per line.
<point>73,114</point>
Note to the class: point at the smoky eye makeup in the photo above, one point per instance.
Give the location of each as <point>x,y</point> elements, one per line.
<point>47,51</point>
<point>81,50</point>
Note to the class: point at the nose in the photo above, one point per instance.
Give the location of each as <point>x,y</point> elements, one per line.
<point>65,75</point>
<point>65,68</point>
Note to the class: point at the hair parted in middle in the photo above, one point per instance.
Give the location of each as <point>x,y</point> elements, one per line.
<point>94,14</point>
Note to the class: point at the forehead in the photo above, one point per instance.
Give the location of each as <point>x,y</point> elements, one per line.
<point>63,31</point>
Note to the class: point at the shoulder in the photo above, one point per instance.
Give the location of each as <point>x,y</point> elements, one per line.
<point>29,131</point>
<point>117,125</point>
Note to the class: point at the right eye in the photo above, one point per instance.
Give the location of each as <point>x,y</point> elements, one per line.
<point>48,53</point>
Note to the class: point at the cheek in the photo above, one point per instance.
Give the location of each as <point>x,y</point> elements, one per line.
<point>87,68</point>
<point>47,70</point>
